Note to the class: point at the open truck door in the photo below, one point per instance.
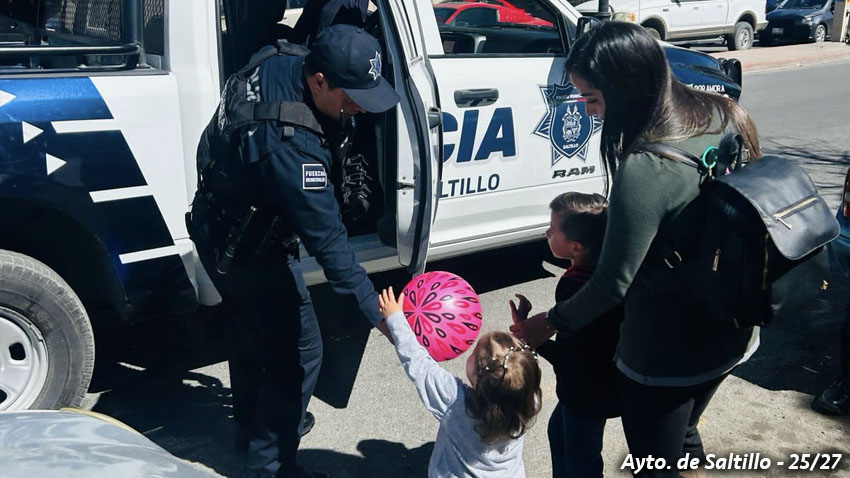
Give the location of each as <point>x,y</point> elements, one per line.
<point>420,143</point>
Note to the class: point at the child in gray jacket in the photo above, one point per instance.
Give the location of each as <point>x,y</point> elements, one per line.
<point>481,424</point>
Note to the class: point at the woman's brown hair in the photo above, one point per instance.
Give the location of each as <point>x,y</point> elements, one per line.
<point>506,396</point>
<point>643,100</point>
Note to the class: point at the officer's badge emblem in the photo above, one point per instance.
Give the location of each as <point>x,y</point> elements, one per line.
<point>314,177</point>
<point>566,125</point>
<point>375,69</point>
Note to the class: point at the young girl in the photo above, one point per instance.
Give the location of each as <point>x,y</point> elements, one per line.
<point>481,424</point>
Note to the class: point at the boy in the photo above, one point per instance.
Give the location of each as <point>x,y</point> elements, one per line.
<point>584,367</point>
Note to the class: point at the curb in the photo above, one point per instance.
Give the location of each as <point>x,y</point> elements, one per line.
<point>772,58</point>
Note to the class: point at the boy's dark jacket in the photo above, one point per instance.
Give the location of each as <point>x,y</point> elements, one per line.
<point>584,362</point>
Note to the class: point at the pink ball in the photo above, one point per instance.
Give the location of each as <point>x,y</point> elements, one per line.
<point>444,313</point>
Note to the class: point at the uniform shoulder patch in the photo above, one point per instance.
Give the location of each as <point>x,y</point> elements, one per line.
<point>314,176</point>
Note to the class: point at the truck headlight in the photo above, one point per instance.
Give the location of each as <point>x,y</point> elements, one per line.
<point>624,16</point>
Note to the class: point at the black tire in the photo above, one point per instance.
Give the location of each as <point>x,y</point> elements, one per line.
<point>653,31</point>
<point>765,41</point>
<point>741,38</point>
<point>48,333</point>
<point>820,34</point>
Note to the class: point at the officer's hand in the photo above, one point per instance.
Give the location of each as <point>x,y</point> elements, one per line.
<point>382,326</point>
<point>387,302</point>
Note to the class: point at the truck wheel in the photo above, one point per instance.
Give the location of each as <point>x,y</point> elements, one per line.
<point>741,38</point>
<point>653,31</point>
<point>46,339</point>
<point>820,33</point>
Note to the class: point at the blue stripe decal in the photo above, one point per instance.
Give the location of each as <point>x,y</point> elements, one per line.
<point>135,224</point>
<point>100,160</point>
<point>52,99</point>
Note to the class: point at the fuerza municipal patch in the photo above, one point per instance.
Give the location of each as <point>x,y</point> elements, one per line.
<point>314,177</point>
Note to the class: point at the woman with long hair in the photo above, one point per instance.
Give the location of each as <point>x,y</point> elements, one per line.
<point>671,357</point>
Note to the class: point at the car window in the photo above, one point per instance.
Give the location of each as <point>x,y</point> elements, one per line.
<point>499,27</point>
<point>476,17</point>
<point>443,14</point>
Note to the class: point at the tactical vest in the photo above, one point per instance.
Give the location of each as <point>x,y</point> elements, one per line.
<point>241,222</point>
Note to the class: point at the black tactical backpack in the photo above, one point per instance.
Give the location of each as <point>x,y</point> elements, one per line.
<point>760,252</point>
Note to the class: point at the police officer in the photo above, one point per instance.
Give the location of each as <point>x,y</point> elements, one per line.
<point>280,176</point>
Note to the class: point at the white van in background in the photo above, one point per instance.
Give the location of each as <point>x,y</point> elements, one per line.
<point>676,20</point>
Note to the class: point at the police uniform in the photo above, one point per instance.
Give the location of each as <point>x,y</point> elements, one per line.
<point>284,171</point>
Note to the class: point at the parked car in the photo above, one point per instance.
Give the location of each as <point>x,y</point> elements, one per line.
<point>677,20</point>
<point>80,444</point>
<point>840,247</point>
<point>484,13</point>
<point>771,5</point>
<point>798,20</point>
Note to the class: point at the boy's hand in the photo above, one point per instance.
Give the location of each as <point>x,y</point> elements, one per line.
<point>535,331</point>
<point>520,313</point>
<point>387,302</point>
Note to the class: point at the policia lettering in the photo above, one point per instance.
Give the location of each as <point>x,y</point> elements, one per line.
<point>499,137</point>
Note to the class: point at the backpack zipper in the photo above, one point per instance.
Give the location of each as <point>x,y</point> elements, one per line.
<point>792,209</point>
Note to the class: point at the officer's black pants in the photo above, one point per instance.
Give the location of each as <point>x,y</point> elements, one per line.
<point>275,357</point>
<point>662,422</point>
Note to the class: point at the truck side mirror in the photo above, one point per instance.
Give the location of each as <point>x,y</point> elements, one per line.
<point>585,24</point>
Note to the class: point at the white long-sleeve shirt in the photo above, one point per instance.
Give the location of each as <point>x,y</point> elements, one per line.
<point>459,451</point>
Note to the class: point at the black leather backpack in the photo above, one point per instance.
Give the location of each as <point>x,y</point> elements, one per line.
<point>760,252</point>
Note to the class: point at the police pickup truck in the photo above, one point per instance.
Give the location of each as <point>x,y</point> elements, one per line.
<point>102,103</point>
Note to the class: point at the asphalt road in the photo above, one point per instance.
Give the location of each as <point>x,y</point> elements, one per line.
<point>159,378</point>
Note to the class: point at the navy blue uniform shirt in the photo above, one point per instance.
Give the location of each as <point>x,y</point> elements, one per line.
<point>294,178</point>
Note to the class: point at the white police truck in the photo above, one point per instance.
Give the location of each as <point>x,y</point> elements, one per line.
<point>102,103</point>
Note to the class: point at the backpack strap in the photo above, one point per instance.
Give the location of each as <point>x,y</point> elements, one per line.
<point>674,153</point>
<point>290,113</point>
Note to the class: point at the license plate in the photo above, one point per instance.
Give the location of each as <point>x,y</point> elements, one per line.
<point>778,31</point>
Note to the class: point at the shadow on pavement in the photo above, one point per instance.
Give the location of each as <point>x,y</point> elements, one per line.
<point>187,413</point>
<point>381,459</point>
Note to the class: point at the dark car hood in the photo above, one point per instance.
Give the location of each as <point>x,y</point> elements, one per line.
<point>701,71</point>
<point>785,13</point>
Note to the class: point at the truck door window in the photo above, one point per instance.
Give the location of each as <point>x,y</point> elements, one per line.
<point>498,27</point>
<point>110,39</point>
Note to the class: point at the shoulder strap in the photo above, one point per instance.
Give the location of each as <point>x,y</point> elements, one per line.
<point>671,152</point>
<point>293,113</point>
<point>284,47</point>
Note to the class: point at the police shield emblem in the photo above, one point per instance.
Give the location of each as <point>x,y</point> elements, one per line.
<point>566,124</point>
